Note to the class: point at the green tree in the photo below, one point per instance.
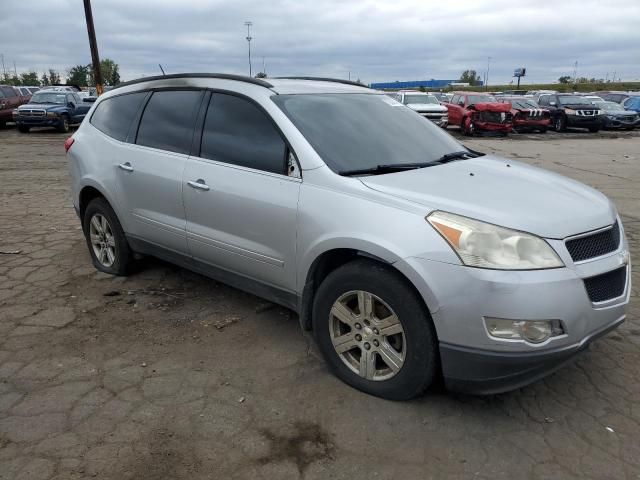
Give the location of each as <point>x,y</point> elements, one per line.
<point>470,77</point>
<point>54,77</point>
<point>44,80</point>
<point>110,72</point>
<point>79,75</point>
<point>564,79</point>
<point>29,78</point>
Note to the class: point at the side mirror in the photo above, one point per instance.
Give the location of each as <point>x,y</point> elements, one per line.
<point>89,99</point>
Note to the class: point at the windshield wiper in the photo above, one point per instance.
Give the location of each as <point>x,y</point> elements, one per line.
<point>399,167</point>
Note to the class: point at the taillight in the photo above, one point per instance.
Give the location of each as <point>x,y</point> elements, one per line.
<point>67,144</point>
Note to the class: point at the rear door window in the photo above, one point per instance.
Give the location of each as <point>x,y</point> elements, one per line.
<point>238,132</point>
<point>168,120</point>
<point>8,92</point>
<point>113,116</point>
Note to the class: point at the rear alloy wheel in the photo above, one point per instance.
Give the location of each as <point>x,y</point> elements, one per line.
<point>559,125</point>
<point>374,331</point>
<point>107,243</point>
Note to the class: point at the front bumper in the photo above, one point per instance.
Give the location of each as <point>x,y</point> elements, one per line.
<point>583,122</point>
<point>37,122</point>
<point>620,123</point>
<point>460,297</point>
<point>491,127</point>
<point>519,124</point>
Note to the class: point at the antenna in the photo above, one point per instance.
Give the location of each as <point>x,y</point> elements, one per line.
<point>161,69</point>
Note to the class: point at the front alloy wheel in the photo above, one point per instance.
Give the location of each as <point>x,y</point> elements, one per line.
<point>374,330</point>
<point>367,335</point>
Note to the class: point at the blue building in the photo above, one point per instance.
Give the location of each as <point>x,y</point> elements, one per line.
<point>416,84</point>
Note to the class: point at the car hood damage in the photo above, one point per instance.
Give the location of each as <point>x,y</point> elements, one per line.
<point>490,107</point>
<point>503,192</point>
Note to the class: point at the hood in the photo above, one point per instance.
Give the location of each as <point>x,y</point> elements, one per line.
<point>580,106</point>
<point>427,107</point>
<point>491,107</point>
<point>518,196</point>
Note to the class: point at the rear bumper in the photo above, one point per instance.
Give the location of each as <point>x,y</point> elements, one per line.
<point>484,372</point>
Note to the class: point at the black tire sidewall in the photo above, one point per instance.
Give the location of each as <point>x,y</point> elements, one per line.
<point>422,357</point>
<point>62,128</point>
<point>122,263</point>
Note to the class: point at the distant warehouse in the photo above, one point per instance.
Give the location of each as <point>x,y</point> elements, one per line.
<point>419,83</point>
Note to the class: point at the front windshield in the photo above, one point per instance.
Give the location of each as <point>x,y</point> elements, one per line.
<point>49,97</point>
<point>358,131</point>
<point>610,106</point>
<point>473,99</point>
<point>417,99</point>
<point>574,100</point>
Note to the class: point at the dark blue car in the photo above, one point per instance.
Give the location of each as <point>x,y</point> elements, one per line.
<point>632,103</point>
<point>51,108</point>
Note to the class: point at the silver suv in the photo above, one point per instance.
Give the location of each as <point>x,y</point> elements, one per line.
<point>426,105</point>
<point>409,256</point>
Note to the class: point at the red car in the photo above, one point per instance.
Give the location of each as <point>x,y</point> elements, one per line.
<point>479,112</point>
<point>527,114</point>
<point>10,99</point>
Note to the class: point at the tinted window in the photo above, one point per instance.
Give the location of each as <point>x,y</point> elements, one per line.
<point>455,99</point>
<point>544,100</point>
<point>236,131</point>
<point>168,119</point>
<point>113,116</point>
<point>8,92</point>
<point>360,131</point>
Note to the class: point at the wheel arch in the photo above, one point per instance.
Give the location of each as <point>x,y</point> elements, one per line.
<point>89,191</point>
<point>331,259</point>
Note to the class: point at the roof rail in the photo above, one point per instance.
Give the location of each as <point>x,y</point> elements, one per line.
<point>224,76</point>
<point>323,79</point>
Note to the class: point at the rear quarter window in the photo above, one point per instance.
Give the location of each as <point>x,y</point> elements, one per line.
<point>114,115</point>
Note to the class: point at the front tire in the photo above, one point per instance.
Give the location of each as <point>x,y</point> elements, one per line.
<point>105,238</point>
<point>374,331</point>
<point>560,124</point>
<point>64,127</point>
<point>23,129</point>
<point>594,129</point>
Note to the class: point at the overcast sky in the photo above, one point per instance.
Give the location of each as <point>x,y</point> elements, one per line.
<point>374,40</point>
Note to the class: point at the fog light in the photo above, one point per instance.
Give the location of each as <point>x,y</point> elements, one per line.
<point>532,331</point>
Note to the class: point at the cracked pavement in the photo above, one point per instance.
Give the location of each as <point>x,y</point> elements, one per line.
<point>166,374</point>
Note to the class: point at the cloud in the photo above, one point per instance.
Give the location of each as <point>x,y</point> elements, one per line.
<point>374,40</point>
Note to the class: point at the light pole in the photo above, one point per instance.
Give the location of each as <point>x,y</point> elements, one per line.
<point>249,24</point>
<point>486,80</point>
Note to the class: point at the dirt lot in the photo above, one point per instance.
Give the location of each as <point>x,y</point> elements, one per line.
<point>166,374</point>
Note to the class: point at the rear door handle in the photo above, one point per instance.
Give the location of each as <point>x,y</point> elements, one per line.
<point>126,167</point>
<point>199,184</point>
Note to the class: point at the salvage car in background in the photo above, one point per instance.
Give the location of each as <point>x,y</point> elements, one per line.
<point>527,115</point>
<point>59,109</point>
<point>426,105</point>
<point>479,113</point>
<point>10,99</point>
<point>615,116</point>
<point>569,110</point>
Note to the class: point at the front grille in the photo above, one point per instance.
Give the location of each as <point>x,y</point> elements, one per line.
<point>32,113</point>
<point>494,117</point>
<point>436,115</point>
<point>586,113</point>
<point>607,285</point>
<point>595,245</point>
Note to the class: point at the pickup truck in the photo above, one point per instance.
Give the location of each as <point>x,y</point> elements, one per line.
<point>10,99</point>
<point>479,112</point>
<point>426,105</point>
<point>51,108</point>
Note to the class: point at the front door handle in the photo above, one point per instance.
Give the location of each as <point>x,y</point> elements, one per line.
<point>126,166</point>
<point>199,184</point>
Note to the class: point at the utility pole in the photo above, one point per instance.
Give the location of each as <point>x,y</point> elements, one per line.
<point>486,79</point>
<point>249,38</point>
<point>93,45</point>
<point>614,76</point>
<point>575,72</point>
<point>15,70</point>
<point>4,70</point>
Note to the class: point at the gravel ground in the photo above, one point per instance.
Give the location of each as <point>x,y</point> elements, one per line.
<point>166,374</point>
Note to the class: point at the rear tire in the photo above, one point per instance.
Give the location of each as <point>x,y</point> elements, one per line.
<point>397,335</point>
<point>105,238</point>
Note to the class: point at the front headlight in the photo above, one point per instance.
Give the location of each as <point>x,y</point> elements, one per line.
<point>570,111</point>
<point>480,244</point>
<point>52,114</point>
